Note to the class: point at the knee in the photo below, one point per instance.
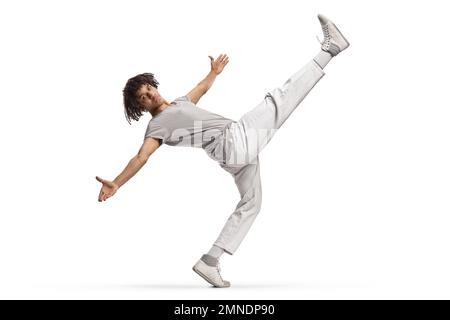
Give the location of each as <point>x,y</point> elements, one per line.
<point>257,200</point>
<point>251,203</point>
<point>258,207</point>
<point>275,96</point>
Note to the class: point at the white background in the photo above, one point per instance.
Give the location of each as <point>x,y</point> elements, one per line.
<point>356,183</point>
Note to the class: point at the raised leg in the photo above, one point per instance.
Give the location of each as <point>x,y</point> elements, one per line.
<point>256,128</point>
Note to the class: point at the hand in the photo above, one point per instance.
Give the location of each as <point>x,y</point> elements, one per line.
<point>109,188</point>
<point>218,65</point>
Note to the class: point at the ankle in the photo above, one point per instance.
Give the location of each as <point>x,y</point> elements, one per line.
<point>210,260</point>
<point>215,251</point>
<point>323,58</point>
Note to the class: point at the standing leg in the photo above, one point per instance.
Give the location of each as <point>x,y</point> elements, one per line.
<point>248,182</point>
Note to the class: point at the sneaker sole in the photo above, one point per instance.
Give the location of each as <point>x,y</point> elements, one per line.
<point>206,278</point>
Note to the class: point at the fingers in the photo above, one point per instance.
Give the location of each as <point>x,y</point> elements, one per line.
<point>223,58</point>
<point>108,189</point>
<point>103,196</point>
<point>100,196</point>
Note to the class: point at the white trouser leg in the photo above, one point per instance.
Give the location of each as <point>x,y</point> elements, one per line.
<point>248,182</point>
<point>257,127</point>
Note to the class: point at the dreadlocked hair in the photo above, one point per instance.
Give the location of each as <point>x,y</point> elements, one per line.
<point>132,108</point>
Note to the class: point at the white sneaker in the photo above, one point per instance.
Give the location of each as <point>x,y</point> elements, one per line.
<point>334,41</point>
<point>208,268</point>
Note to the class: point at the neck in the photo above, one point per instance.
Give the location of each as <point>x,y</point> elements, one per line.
<point>160,109</point>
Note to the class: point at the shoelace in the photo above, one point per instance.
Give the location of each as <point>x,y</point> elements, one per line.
<point>326,34</point>
<point>319,39</point>
<point>218,270</point>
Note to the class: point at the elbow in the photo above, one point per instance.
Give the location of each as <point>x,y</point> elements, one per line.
<point>142,159</point>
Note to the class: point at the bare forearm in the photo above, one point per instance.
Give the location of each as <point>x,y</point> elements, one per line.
<point>135,164</point>
<point>208,81</point>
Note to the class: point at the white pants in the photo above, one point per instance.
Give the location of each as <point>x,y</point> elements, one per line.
<point>237,151</point>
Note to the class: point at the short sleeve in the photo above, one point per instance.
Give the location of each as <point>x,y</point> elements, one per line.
<point>183,99</point>
<point>157,131</point>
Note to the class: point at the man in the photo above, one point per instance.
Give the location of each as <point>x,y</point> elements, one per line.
<point>235,145</point>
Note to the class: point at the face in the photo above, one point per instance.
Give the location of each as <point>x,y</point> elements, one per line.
<point>148,97</point>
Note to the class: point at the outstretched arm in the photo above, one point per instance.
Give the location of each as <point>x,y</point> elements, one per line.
<point>109,188</point>
<point>217,67</point>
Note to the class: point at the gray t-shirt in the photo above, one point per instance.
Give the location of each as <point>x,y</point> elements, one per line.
<point>185,124</point>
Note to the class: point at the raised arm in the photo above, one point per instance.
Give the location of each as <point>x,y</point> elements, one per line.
<point>203,86</point>
<point>109,188</point>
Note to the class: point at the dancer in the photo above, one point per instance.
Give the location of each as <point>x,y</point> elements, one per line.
<point>235,145</point>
